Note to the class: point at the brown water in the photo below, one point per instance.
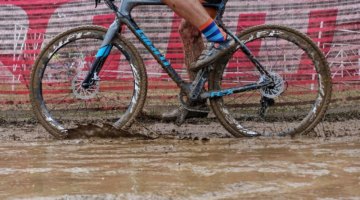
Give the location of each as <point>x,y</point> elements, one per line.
<point>258,168</point>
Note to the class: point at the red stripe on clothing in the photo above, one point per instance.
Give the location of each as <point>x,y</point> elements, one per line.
<point>206,24</point>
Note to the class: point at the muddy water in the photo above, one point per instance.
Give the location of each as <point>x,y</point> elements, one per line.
<point>181,169</point>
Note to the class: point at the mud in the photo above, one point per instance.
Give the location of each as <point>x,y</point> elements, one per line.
<point>199,129</point>
<point>198,160</point>
<point>218,168</point>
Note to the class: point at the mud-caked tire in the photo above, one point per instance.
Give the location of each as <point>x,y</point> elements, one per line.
<point>294,106</point>
<point>62,106</point>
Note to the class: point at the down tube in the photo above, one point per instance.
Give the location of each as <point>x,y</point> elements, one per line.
<point>156,53</point>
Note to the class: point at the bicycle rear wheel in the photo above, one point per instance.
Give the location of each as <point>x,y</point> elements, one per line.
<point>64,107</point>
<point>302,88</point>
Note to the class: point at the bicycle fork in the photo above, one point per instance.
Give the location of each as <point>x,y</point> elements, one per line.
<point>101,55</point>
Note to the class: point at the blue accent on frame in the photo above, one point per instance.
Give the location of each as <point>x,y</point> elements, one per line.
<point>221,93</point>
<point>104,51</point>
<point>152,48</point>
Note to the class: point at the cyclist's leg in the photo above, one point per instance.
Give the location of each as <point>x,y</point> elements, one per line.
<point>195,13</point>
<point>190,10</point>
<point>192,41</point>
<point>193,46</point>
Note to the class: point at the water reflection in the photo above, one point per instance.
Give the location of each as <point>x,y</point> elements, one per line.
<point>174,169</point>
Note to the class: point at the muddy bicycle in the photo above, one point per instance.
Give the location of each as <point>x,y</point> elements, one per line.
<point>273,81</point>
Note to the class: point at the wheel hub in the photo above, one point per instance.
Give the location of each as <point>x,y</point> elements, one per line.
<point>79,91</point>
<point>274,90</point>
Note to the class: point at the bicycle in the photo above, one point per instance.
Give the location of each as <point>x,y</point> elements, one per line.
<point>252,91</point>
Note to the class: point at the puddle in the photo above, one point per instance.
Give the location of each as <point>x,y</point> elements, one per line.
<point>181,169</point>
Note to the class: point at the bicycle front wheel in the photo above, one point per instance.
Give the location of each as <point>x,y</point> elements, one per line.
<point>302,88</point>
<point>64,107</point>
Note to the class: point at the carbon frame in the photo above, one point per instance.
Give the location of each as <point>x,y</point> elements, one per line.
<point>123,16</point>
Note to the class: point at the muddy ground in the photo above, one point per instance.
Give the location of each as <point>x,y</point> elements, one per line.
<point>30,131</point>
<point>198,160</point>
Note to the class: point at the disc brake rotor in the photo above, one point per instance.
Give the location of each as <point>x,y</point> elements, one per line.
<point>79,91</point>
<point>275,90</point>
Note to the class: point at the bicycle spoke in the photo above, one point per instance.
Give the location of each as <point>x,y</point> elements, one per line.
<point>302,87</point>
<point>67,103</point>
<point>282,107</point>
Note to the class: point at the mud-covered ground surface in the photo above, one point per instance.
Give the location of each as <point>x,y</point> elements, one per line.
<point>198,160</point>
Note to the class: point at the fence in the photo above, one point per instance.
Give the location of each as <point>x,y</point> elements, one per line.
<point>25,26</point>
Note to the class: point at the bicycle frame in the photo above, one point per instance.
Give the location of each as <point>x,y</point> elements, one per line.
<point>123,16</point>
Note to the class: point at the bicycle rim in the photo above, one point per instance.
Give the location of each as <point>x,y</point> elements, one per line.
<point>65,108</point>
<point>302,84</point>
